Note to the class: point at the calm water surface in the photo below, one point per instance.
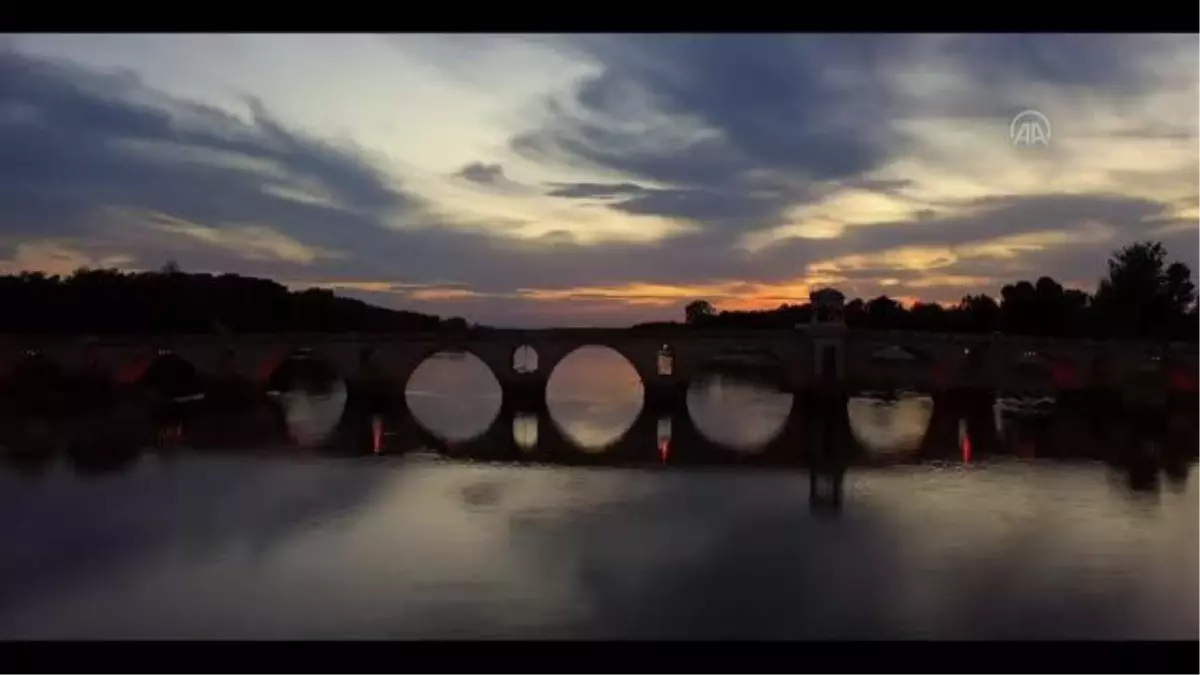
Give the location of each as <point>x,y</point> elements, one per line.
<point>284,542</point>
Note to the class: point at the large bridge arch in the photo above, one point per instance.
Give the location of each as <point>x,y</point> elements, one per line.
<point>552,351</point>
<point>164,371</point>
<point>31,373</point>
<point>1035,368</point>
<point>412,362</point>
<point>902,361</point>
<point>646,371</point>
<point>472,405</point>
<point>300,366</point>
<point>788,351</point>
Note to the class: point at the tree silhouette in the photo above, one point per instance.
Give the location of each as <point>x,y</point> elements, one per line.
<point>697,311</point>
<point>1142,297</point>
<point>884,312</point>
<point>171,301</point>
<point>976,314</point>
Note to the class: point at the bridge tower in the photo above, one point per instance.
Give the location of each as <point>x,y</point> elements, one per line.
<point>827,329</point>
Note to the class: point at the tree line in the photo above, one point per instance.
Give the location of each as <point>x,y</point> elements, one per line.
<point>105,301</point>
<point>1142,297</point>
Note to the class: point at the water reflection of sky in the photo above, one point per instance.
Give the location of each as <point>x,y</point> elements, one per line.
<point>311,418</point>
<point>454,396</point>
<point>594,396</point>
<point>401,550</point>
<point>890,427</point>
<point>525,431</point>
<point>737,413</point>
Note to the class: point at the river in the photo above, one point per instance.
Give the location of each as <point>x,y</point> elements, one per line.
<point>1051,534</point>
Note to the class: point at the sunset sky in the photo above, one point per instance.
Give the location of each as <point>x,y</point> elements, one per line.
<point>587,179</point>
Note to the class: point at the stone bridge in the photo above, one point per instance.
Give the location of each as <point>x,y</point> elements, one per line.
<point>807,357</point>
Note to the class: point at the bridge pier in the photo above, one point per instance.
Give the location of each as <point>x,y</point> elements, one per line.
<point>953,409</point>
<point>828,437</point>
<point>665,396</point>
<point>524,391</point>
<point>830,447</point>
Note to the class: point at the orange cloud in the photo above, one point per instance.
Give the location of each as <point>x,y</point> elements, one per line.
<point>57,257</point>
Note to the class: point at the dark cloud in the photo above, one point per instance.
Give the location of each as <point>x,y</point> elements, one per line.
<point>788,119</point>
<point>483,174</point>
<point>1062,60</point>
<point>77,141</point>
<point>597,190</point>
<point>770,124</point>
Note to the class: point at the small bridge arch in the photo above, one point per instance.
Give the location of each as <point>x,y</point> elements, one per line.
<point>162,370</point>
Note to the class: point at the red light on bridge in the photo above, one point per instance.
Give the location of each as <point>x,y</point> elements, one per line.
<point>270,366</point>
<point>964,441</point>
<point>1065,376</point>
<point>1183,380</point>
<point>133,372</point>
<point>376,434</point>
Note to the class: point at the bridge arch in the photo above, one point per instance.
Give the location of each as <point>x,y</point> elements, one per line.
<point>1043,369</point>
<point>760,363</point>
<point>163,371</point>
<point>452,350</point>
<point>33,368</point>
<point>739,399</point>
<point>898,353</point>
<point>641,367</point>
<point>737,417</point>
<point>902,366</point>
<point>594,403</point>
<point>630,359</point>
<point>455,406</point>
<point>300,367</point>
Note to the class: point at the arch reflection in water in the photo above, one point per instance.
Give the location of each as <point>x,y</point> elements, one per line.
<point>594,396</point>
<point>525,431</point>
<point>453,395</point>
<point>311,418</point>
<point>890,426</point>
<point>311,394</point>
<point>740,412</point>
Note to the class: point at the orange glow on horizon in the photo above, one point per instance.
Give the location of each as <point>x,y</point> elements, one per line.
<point>724,294</point>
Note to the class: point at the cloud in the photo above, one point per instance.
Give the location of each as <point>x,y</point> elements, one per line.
<point>252,242</point>
<point>484,174</point>
<point>82,145</point>
<point>52,257</point>
<point>729,131</point>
